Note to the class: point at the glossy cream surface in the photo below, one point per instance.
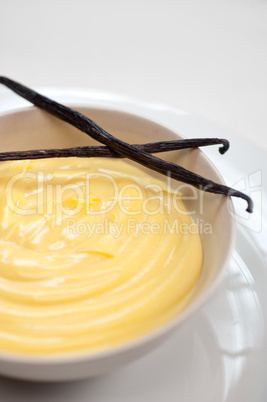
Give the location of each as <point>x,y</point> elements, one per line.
<point>93,253</point>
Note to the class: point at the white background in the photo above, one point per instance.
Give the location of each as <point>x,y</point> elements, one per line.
<point>208,57</point>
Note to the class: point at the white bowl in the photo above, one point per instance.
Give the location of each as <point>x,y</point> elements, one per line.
<point>32,128</point>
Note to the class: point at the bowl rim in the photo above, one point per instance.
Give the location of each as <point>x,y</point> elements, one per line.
<point>166,328</point>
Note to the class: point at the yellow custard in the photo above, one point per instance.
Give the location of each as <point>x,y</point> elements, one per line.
<point>93,253</point>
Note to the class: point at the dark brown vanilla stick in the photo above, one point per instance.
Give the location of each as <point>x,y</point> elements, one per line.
<point>122,148</point>
<point>102,151</point>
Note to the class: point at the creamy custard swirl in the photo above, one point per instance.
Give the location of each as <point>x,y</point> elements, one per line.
<point>93,253</point>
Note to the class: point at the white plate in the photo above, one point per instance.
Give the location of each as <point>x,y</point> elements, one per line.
<point>220,355</point>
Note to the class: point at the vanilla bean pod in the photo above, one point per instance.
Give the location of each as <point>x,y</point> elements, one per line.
<point>103,151</point>
<point>86,125</point>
